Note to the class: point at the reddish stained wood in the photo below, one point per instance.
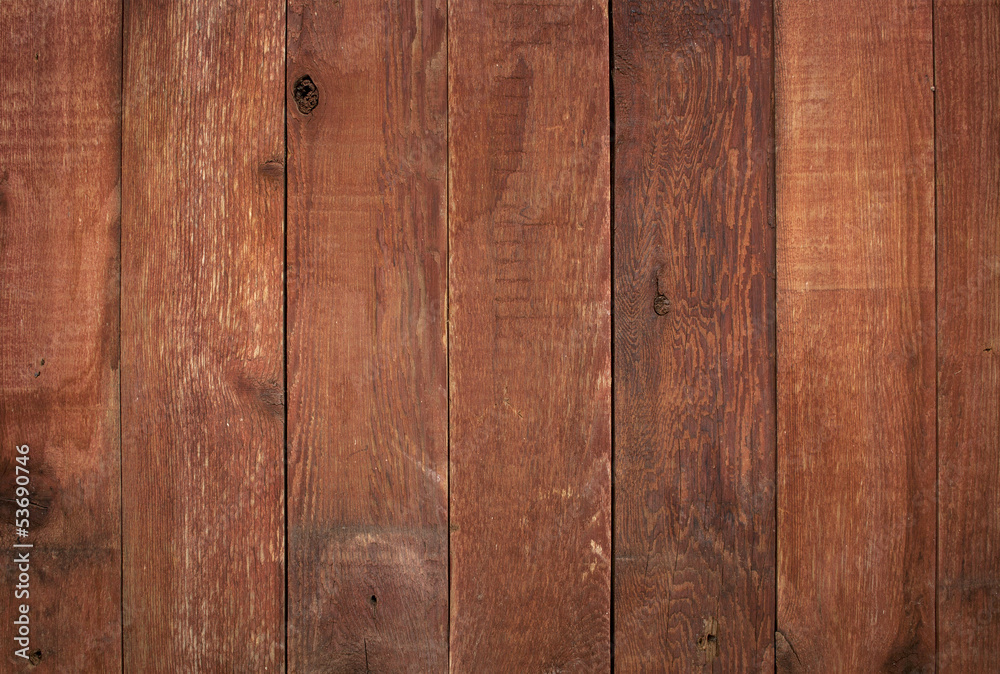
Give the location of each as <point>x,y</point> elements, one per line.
<point>202,336</point>
<point>968,290</point>
<point>367,369</point>
<point>59,216</point>
<point>856,354</point>
<point>694,347</point>
<point>530,337</point>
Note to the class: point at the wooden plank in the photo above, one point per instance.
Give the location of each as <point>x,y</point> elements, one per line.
<point>59,217</point>
<point>856,353</point>
<point>529,336</point>
<point>694,337</point>
<point>202,336</point>
<point>967,53</point>
<point>367,307</point>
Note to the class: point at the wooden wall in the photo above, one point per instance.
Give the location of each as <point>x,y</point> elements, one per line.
<point>500,336</point>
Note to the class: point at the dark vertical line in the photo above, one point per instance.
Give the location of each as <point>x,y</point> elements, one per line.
<point>447,292</point>
<point>611,200</point>
<point>284,308</point>
<point>937,364</point>
<point>773,215</point>
<point>121,361</point>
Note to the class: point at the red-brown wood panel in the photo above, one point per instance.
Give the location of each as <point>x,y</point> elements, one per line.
<point>694,337</point>
<point>60,69</point>
<point>967,52</point>
<point>855,324</point>
<point>202,336</point>
<point>530,336</point>
<point>367,356</point>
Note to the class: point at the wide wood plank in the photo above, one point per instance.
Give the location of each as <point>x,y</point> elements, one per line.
<point>59,216</point>
<point>856,353</point>
<point>529,336</point>
<point>202,336</point>
<point>967,51</point>
<point>694,337</point>
<point>367,359</point>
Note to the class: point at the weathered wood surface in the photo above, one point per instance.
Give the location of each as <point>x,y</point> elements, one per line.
<point>367,310</point>
<point>694,337</point>
<point>855,325</point>
<point>968,291</point>
<point>530,337</point>
<point>59,215</point>
<point>202,336</point>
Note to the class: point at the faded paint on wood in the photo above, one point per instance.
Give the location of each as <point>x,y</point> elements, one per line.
<point>202,336</point>
<point>856,353</point>
<point>530,337</point>
<point>367,306</point>
<point>968,291</point>
<point>694,337</point>
<point>59,216</point>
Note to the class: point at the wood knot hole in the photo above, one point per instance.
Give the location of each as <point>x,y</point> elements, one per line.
<point>272,169</point>
<point>306,95</point>
<point>709,639</point>
<point>661,305</point>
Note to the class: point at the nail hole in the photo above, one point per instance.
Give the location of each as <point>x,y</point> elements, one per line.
<point>373,600</point>
<point>305,94</point>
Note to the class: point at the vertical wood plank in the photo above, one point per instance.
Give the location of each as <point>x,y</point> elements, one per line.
<point>59,218</point>
<point>530,336</point>
<point>694,337</point>
<point>856,352</point>
<point>202,336</point>
<point>367,303</point>
<point>968,289</point>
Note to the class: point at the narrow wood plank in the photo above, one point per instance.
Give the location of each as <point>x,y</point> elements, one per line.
<point>967,53</point>
<point>59,216</point>
<point>694,337</point>
<point>367,308</point>
<point>856,352</point>
<point>530,336</point>
<point>202,336</point>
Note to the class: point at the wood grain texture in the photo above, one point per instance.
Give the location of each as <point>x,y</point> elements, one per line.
<point>202,336</point>
<point>530,337</point>
<point>694,337</point>
<point>856,353</point>
<point>967,57</point>
<point>59,216</point>
<point>367,308</point>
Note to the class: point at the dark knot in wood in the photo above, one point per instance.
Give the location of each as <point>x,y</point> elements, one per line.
<point>306,95</point>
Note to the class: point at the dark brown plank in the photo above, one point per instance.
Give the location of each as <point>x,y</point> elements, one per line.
<point>856,353</point>
<point>530,337</point>
<point>202,336</point>
<point>694,337</point>
<point>367,308</point>
<point>59,215</point>
<point>968,290</point>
